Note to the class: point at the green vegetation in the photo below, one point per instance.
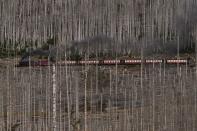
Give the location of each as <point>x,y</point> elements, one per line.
<point>50,42</point>
<point>10,48</point>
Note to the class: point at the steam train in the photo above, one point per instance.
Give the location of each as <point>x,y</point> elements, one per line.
<point>45,62</point>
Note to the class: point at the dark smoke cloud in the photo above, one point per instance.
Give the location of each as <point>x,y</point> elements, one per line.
<point>184,26</point>
<point>93,45</point>
<point>186,21</point>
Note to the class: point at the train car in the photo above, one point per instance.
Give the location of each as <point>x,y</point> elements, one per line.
<point>133,62</point>
<point>177,61</point>
<point>111,62</point>
<point>43,63</point>
<point>67,62</point>
<point>89,62</point>
<point>40,63</point>
<point>93,62</point>
<point>154,61</point>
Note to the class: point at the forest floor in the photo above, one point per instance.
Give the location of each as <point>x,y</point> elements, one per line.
<point>124,99</point>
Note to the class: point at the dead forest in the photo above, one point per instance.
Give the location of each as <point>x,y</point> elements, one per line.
<point>156,97</point>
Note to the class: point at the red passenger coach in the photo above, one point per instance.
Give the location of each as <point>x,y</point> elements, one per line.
<point>177,61</point>
<point>133,62</point>
<point>111,62</point>
<point>91,62</point>
<point>43,63</point>
<point>153,61</point>
<point>67,63</point>
<point>82,62</point>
